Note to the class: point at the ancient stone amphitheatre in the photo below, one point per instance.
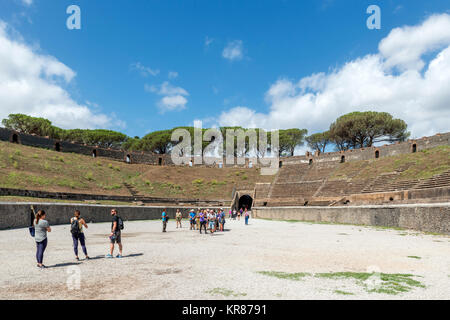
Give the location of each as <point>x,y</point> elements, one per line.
<point>360,224</point>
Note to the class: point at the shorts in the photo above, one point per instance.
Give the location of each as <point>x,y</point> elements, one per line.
<point>192,221</point>
<point>179,219</point>
<point>116,238</point>
<point>211,224</point>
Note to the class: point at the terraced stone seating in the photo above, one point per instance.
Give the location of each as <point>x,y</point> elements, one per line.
<point>342,188</point>
<point>319,172</point>
<point>381,183</point>
<point>262,193</point>
<point>286,202</point>
<point>292,173</point>
<point>289,190</point>
<point>320,182</point>
<point>387,183</point>
<point>440,180</point>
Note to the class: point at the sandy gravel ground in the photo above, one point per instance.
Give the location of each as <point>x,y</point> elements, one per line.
<point>183,264</point>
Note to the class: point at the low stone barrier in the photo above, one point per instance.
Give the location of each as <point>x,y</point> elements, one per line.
<point>18,215</point>
<point>105,197</point>
<point>422,217</point>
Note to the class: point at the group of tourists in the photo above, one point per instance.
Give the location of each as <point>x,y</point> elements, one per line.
<point>242,212</point>
<point>202,219</point>
<point>205,219</point>
<point>41,227</point>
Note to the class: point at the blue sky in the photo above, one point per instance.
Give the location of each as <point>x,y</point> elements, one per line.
<point>123,54</point>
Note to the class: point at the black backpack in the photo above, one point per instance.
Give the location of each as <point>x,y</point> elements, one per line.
<point>120,223</point>
<point>75,227</point>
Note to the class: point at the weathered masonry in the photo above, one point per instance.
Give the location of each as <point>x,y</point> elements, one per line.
<point>410,146</point>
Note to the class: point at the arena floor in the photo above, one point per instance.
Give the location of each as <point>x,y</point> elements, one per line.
<point>264,260</point>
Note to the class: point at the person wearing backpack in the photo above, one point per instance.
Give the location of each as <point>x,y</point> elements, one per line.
<point>76,228</point>
<point>41,227</point>
<point>116,234</point>
<point>164,218</point>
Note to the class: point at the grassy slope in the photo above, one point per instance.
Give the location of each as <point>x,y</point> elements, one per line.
<point>39,169</point>
<point>421,165</point>
<point>25,167</point>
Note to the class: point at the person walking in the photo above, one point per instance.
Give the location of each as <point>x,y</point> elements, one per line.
<point>246,215</point>
<point>76,228</point>
<point>202,219</point>
<point>178,217</point>
<point>116,234</point>
<point>41,227</point>
<point>164,218</point>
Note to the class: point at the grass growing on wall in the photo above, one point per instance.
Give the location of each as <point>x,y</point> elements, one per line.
<point>420,165</point>
<point>24,167</point>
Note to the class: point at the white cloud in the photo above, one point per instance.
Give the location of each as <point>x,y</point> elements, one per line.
<point>143,70</point>
<point>27,2</point>
<point>404,47</point>
<point>208,41</point>
<point>171,103</point>
<point>415,92</point>
<point>233,50</point>
<point>32,83</point>
<point>172,75</point>
<point>174,97</point>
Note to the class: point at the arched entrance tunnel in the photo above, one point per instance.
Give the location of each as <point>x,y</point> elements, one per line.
<point>245,201</point>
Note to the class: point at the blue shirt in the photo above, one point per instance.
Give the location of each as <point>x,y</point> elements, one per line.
<point>164,216</point>
<point>192,215</point>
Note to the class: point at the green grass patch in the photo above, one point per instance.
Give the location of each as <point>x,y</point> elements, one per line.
<point>386,283</point>
<point>285,275</point>
<point>225,292</point>
<point>89,176</point>
<point>345,293</point>
<point>198,182</point>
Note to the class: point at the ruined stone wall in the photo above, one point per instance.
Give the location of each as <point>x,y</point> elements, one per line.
<point>157,159</point>
<point>18,215</point>
<point>370,153</point>
<point>64,146</point>
<point>421,217</point>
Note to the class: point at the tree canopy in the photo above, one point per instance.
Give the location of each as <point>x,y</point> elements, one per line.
<point>30,125</point>
<point>318,141</point>
<point>290,139</point>
<point>352,130</point>
<point>43,127</point>
<point>363,129</point>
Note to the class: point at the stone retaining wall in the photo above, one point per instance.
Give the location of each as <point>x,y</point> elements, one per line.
<point>163,159</point>
<point>104,197</point>
<point>421,217</point>
<point>18,215</point>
